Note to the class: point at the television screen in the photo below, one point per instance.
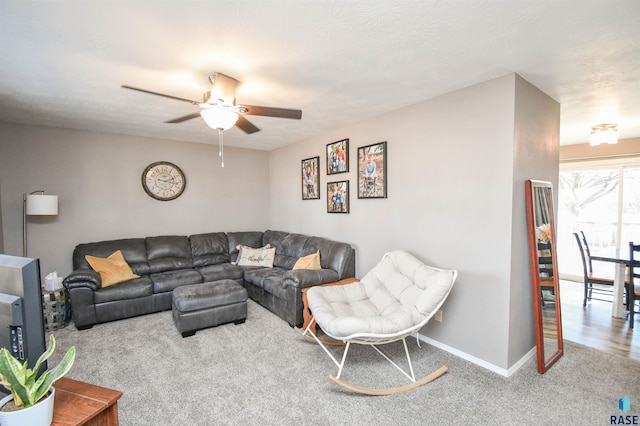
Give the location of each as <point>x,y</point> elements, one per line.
<point>21,320</point>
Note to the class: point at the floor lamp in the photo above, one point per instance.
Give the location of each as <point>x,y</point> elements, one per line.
<point>36,204</point>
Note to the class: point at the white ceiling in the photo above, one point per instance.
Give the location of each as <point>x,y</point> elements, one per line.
<point>62,62</point>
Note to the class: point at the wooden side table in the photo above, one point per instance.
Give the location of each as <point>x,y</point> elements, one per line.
<point>80,403</point>
<point>306,314</point>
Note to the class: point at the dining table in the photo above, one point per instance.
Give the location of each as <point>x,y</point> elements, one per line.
<point>622,262</point>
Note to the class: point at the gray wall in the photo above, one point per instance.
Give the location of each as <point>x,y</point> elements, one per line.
<point>98,180</point>
<point>536,156</point>
<point>1,230</point>
<point>457,165</point>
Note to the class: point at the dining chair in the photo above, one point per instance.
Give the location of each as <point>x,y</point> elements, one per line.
<point>634,279</point>
<point>545,266</point>
<point>592,283</point>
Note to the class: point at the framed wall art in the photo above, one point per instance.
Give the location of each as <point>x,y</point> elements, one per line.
<point>311,178</point>
<point>338,157</point>
<point>338,197</point>
<point>372,171</point>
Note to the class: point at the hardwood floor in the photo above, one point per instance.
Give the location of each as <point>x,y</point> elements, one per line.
<point>594,326</point>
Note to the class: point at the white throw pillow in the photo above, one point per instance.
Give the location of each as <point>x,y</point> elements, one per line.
<point>263,256</point>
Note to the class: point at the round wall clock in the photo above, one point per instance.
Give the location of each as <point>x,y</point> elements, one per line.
<point>163,181</point>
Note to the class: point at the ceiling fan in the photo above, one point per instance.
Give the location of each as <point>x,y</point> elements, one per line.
<point>219,109</point>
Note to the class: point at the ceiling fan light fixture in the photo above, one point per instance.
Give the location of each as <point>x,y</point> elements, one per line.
<point>604,133</point>
<point>219,118</point>
<point>215,98</point>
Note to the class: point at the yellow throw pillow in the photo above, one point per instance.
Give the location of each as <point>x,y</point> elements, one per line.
<point>113,270</point>
<point>311,261</point>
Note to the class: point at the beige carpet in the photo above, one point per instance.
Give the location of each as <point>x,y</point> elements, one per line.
<point>264,373</point>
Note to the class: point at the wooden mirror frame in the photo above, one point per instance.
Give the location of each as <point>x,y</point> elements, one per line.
<point>544,362</point>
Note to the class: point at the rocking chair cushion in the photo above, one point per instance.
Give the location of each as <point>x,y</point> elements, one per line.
<point>399,294</point>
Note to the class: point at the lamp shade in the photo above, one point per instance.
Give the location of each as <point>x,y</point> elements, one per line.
<point>219,118</point>
<point>41,204</point>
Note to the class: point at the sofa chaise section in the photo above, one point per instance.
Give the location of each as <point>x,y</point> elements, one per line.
<point>279,289</point>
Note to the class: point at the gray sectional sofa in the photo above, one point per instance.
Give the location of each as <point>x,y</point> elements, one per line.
<point>167,262</point>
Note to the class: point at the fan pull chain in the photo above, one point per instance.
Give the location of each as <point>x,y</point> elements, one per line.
<point>221,147</point>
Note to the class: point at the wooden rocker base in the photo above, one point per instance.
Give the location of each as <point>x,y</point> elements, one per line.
<point>390,391</point>
<point>330,342</point>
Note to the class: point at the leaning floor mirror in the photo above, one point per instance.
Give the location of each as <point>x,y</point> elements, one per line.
<point>544,273</point>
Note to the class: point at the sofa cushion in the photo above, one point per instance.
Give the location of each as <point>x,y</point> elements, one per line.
<point>134,251</point>
<point>333,255</point>
<point>168,253</point>
<point>167,281</point>
<point>289,247</point>
<point>220,272</point>
<point>209,249</point>
<point>133,289</point>
<point>113,270</point>
<point>268,279</point>
<point>246,238</point>
<point>197,297</point>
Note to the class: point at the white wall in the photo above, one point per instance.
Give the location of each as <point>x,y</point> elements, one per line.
<point>451,202</point>
<point>98,180</point>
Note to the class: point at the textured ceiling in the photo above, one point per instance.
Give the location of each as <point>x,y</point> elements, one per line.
<point>62,62</point>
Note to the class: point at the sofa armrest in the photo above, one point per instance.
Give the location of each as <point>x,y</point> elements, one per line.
<point>302,278</point>
<point>83,307</point>
<point>83,278</point>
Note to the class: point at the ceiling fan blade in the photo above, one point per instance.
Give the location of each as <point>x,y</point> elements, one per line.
<point>184,118</point>
<point>245,125</point>
<point>161,94</point>
<point>295,114</point>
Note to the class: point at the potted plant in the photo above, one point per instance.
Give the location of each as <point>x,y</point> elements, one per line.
<point>31,399</point>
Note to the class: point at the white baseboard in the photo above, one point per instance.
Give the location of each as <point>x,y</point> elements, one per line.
<point>482,363</point>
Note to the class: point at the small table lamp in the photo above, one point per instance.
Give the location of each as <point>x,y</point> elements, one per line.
<point>36,204</point>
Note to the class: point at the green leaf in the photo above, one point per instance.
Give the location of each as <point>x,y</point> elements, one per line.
<point>21,380</point>
<point>47,379</point>
<point>45,355</point>
<point>15,373</point>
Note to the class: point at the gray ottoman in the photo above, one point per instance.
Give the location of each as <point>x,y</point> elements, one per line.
<point>199,306</point>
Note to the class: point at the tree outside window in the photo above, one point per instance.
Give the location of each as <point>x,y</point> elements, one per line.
<point>603,203</point>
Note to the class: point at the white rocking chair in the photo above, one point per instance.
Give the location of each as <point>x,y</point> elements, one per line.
<point>391,302</point>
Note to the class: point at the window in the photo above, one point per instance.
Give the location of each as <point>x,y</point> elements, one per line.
<point>602,199</point>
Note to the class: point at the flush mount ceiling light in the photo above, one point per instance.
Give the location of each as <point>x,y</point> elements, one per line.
<point>604,133</point>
